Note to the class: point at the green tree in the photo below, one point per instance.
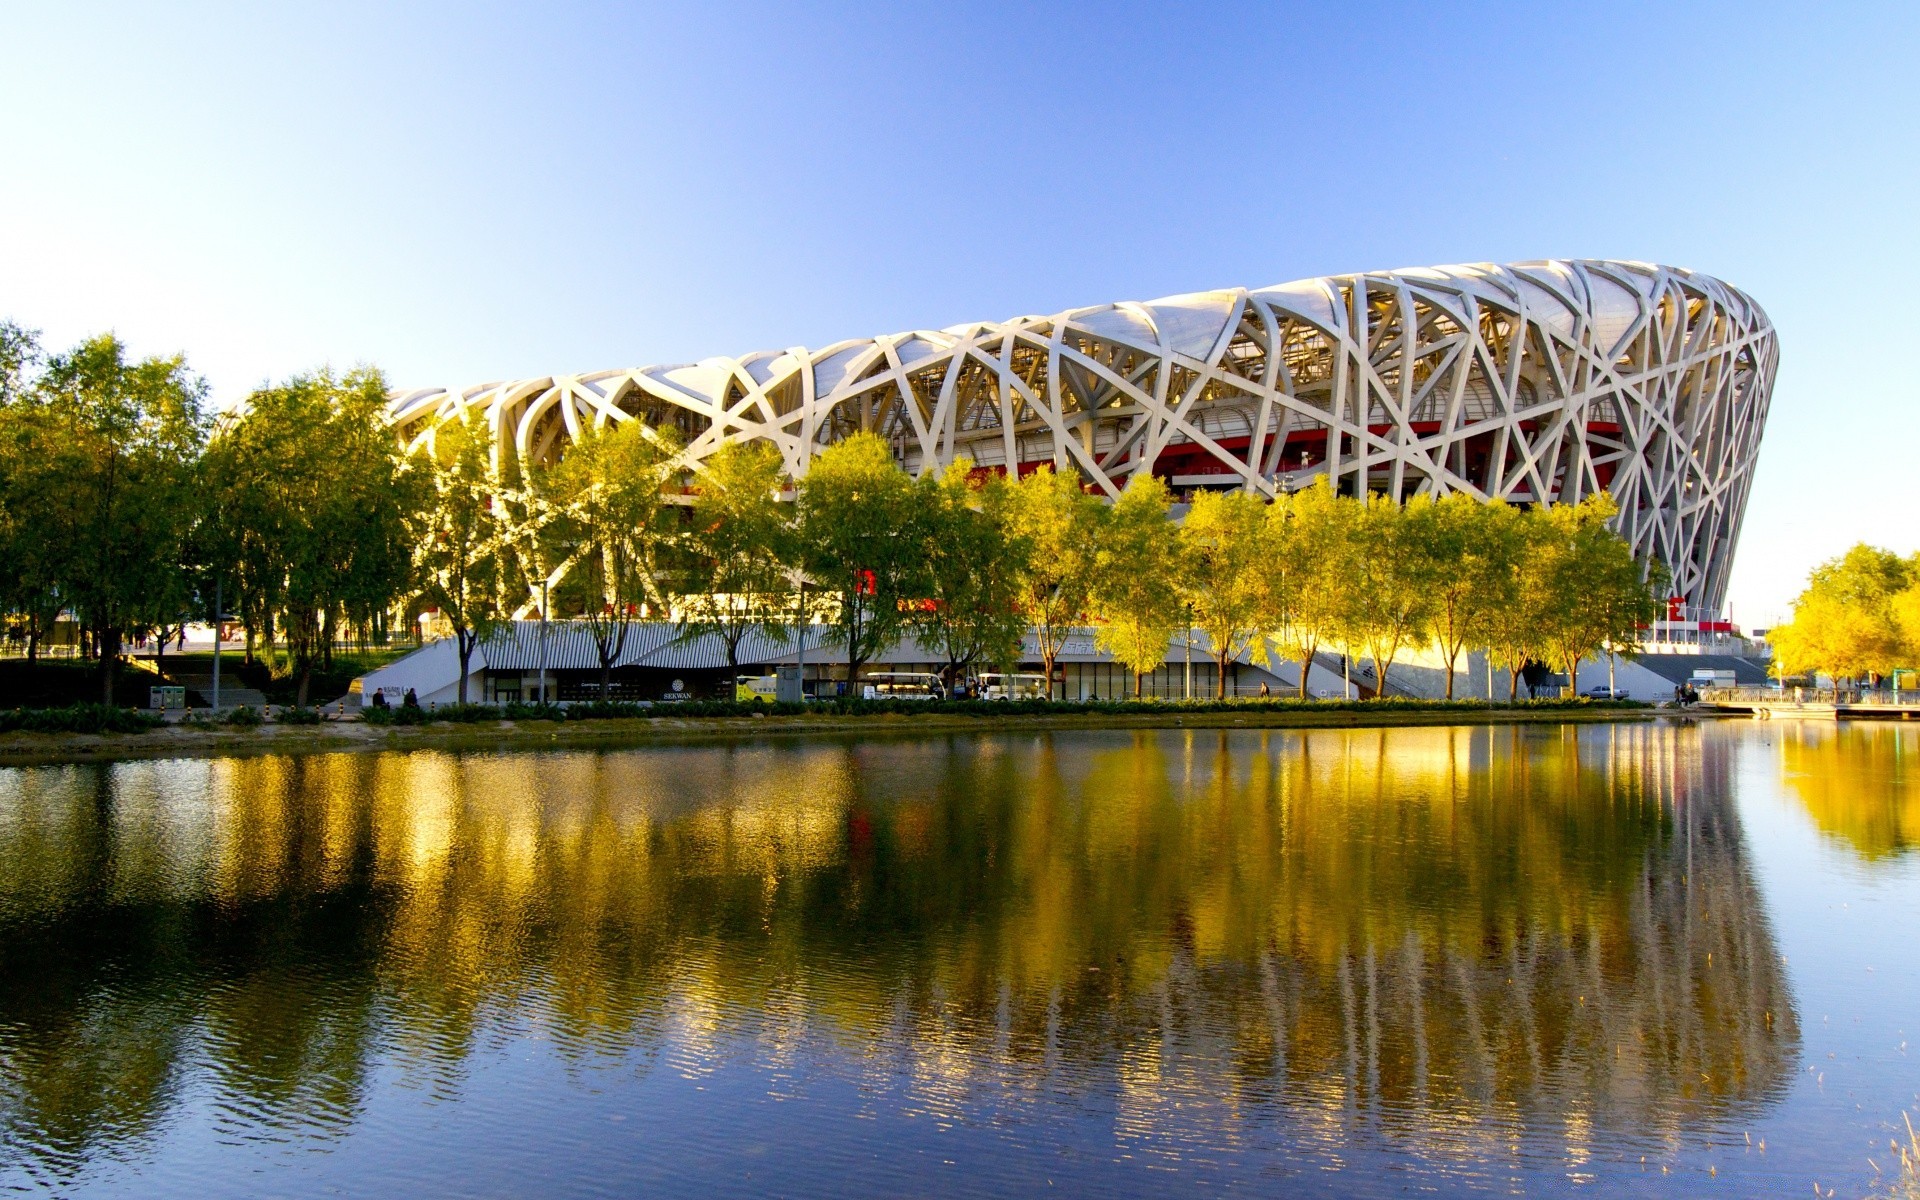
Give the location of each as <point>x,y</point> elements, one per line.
<point>20,357</point>
<point>1513,629</point>
<point>1313,542</point>
<point>608,499</point>
<point>1467,559</point>
<point>126,436</point>
<point>34,507</point>
<point>1057,520</point>
<point>313,512</point>
<point>460,548</point>
<point>1225,573</point>
<point>1135,594</point>
<point>741,550</point>
<point>1846,622</point>
<point>860,540</point>
<point>1588,591</point>
<point>1388,598</point>
<point>976,564</point>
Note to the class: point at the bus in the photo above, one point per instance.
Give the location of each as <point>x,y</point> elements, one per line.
<point>901,685</point>
<point>748,688</point>
<point>1014,687</point>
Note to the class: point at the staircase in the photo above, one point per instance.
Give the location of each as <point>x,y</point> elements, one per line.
<point>232,693</point>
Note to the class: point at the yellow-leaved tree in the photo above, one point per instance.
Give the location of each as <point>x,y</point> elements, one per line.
<point>1135,593</point>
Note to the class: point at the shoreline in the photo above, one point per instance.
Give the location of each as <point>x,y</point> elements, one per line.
<point>183,741</point>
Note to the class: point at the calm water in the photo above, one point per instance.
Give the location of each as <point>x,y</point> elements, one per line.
<point>1608,960</point>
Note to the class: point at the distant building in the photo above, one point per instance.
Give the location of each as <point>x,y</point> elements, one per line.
<point>1539,382</point>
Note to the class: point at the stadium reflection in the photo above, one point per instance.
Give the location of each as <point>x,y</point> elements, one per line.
<point>1454,939</point>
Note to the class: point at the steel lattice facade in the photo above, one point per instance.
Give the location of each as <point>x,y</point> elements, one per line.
<point>1538,382</point>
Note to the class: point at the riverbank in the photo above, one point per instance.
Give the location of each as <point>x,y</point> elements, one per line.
<point>200,741</point>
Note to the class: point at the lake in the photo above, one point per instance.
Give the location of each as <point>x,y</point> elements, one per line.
<point>1626,959</point>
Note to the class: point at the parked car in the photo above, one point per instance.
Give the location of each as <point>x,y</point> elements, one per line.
<point>1603,692</point>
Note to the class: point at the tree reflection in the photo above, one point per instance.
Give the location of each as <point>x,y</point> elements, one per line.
<point>1422,929</point>
<point>1858,781</point>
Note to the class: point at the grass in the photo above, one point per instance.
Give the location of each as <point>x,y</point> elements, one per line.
<point>847,707</point>
<point>1905,1185</point>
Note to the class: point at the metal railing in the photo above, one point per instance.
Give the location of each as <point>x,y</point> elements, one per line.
<point>1789,696</point>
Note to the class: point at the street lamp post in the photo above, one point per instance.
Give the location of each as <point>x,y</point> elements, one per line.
<point>543,641</point>
<point>1189,652</point>
<point>216,644</point>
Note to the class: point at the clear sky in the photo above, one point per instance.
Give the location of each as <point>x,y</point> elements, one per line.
<point>466,192</point>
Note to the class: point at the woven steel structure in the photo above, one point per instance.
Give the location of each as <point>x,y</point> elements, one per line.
<point>1537,382</point>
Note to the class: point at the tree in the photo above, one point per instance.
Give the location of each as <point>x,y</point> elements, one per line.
<point>1906,615</point>
<point>1135,593</point>
<point>976,563</point>
<point>607,495</point>
<point>1846,622</point>
<point>124,437</point>
<point>860,539</point>
<point>1387,589</point>
<point>1313,541</point>
<point>1588,592</point>
<point>1053,515</point>
<point>19,358</point>
<point>312,508</point>
<point>35,508</point>
<point>1513,629</point>
<point>1466,551</point>
<point>742,549</point>
<point>460,545</point>
<point>1226,558</point>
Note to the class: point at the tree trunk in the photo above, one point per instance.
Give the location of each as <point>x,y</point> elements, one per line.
<point>1306,668</point>
<point>306,680</point>
<point>606,678</point>
<point>1451,660</point>
<point>1573,677</point>
<point>109,643</point>
<point>1139,681</point>
<point>1513,685</point>
<point>463,641</point>
<point>1046,664</point>
<point>1220,660</point>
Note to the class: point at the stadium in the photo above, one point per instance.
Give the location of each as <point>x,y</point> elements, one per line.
<point>1535,383</point>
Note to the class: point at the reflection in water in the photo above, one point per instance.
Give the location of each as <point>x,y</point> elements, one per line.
<point>1455,939</point>
<point>1858,780</point>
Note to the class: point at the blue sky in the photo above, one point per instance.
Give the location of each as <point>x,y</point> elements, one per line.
<point>468,192</point>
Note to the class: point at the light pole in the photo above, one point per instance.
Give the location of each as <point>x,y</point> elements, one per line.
<point>543,640</point>
<point>800,657</point>
<point>216,644</point>
<point>1189,652</point>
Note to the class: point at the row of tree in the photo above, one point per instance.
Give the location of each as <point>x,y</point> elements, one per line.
<point>969,561</point>
<point>125,505</point>
<point>1857,619</point>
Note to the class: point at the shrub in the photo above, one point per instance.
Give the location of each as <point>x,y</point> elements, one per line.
<point>533,712</point>
<point>300,716</point>
<point>78,718</point>
<point>244,716</point>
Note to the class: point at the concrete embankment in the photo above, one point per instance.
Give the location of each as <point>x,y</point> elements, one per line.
<point>186,741</point>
